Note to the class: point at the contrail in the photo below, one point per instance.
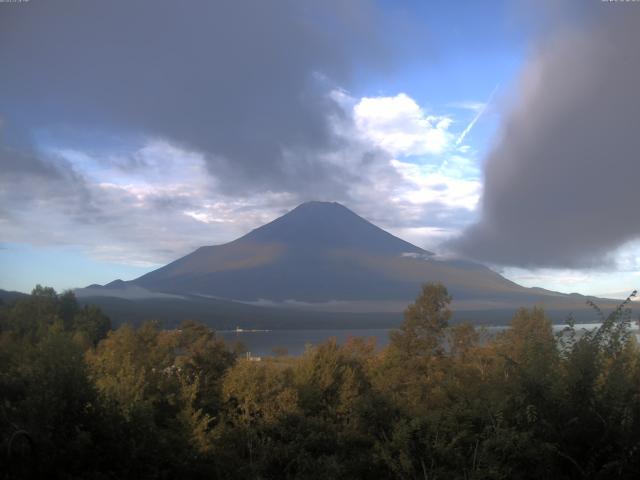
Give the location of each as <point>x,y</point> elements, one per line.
<point>477,117</point>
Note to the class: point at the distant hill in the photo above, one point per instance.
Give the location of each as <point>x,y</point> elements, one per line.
<point>7,296</point>
<point>322,260</point>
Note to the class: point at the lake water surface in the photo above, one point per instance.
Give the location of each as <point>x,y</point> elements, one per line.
<point>262,343</point>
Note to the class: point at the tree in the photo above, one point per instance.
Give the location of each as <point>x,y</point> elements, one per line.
<point>92,324</point>
<point>425,321</point>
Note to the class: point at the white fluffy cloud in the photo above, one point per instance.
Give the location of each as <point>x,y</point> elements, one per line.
<point>426,189</point>
<point>438,187</point>
<point>436,172</point>
<point>400,126</point>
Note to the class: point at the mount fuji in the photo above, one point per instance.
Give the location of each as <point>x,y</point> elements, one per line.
<point>317,261</point>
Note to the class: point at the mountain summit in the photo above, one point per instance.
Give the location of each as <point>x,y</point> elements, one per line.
<point>329,225</point>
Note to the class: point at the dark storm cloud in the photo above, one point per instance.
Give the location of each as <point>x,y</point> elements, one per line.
<point>561,184</point>
<point>26,175</point>
<point>244,82</point>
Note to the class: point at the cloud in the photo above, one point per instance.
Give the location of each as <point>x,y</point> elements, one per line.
<point>438,187</point>
<point>419,196</point>
<point>198,122</point>
<point>243,83</point>
<point>587,282</point>
<point>60,199</point>
<point>29,179</point>
<point>168,206</point>
<point>400,126</point>
<point>560,182</point>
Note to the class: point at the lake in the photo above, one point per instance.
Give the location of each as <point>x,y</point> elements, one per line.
<point>261,343</point>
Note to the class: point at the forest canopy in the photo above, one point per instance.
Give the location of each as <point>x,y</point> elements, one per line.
<point>79,399</point>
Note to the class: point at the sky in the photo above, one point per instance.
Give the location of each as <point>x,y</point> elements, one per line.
<point>504,132</point>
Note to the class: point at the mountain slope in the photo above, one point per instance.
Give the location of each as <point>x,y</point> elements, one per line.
<point>324,254</point>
